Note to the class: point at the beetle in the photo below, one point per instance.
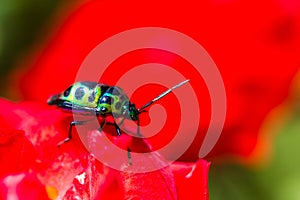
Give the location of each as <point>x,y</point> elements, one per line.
<point>91,98</point>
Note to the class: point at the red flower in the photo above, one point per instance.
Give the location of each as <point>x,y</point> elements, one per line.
<point>22,186</point>
<point>254,44</point>
<point>31,162</point>
<point>17,152</point>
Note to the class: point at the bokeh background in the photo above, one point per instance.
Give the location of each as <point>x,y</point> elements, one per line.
<point>26,25</point>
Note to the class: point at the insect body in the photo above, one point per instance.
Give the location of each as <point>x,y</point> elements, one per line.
<point>98,99</point>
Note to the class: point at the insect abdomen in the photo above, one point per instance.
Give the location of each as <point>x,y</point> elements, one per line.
<point>85,94</point>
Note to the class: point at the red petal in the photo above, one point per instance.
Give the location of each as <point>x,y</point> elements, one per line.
<point>191,180</point>
<point>159,184</point>
<point>22,187</point>
<point>71,169</point>
<point>44,128</point>
<point>127,182</point>
<point>16,151</point>
<point>95,182</point>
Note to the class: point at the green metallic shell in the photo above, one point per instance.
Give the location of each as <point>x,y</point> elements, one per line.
<point>91,96</point>
<point>84,94</point>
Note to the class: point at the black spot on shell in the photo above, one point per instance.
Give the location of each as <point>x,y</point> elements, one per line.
<point>79,93</point>
<point>104,88</point>
<point>109,90</point>
<point>105,99</point>
<point>118,105</point>
<point>116,91</point>
<point>102,100</point>
<point>123,98</point>
<point>67,91</point>
<point>91,97</point>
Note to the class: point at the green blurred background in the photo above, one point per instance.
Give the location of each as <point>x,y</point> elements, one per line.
<point>23,25</point>
<point>278,180</point>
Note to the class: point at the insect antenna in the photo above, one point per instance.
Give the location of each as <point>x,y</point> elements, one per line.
<point>142,109</point>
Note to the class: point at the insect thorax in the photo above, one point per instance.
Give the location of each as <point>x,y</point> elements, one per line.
<point>114,101</point>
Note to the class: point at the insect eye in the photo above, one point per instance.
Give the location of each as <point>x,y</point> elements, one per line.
<point>103,109</point>
<point>67,91</point>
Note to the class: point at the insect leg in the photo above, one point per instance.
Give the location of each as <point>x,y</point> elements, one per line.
<point>113,124</point>
<point>119,133</point>
<point>102,125</point>
<point>70,131</point>
<point>129,156</point>
<point>117,129</point>
<point>121,122</point>
<point>138,128</point>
